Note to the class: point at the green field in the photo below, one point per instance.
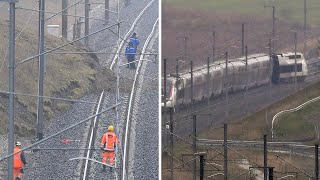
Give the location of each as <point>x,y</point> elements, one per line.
<point>292,10</point>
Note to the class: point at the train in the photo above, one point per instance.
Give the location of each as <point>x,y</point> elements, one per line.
<point>234,75</point>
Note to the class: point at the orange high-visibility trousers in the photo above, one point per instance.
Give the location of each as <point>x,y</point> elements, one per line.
<point>17,173</point>
<point>108,157</point>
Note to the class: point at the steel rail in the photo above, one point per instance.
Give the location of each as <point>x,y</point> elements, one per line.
<point>91,137</point>
<point>125,151</point>
<point>212,141</point>
<point>75,52</point>
<point>62,131</point>
<point>64,149</point>
<point>89,159</point>
<point>136,61</point>
<point>129,32</point>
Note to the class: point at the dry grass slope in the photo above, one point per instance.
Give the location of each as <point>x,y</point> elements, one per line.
<point>68,76</point>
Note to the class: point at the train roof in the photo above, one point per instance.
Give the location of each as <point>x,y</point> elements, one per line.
<point>289,55</point>
<point>221,63</point>
<point>289,58</point>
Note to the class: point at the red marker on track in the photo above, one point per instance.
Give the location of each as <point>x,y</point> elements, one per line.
<point>68,140</point>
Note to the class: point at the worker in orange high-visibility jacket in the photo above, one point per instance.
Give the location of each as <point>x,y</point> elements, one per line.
<point>109,142</point>
<point>19,161</point>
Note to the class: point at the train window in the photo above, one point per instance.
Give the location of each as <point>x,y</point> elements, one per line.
<point>290,68</point>
<point>292,56</point>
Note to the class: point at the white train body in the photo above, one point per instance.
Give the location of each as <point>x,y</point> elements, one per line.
<point>284,67</point>
<point>238,76</point>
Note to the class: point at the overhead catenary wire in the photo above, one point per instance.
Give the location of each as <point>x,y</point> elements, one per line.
<point>48,12</point>
<point>60,12</point>
<point>123,39</point>
<point>243,156</point>
<point>44,96</point>
<point>23,28</point>
<point>132,94</point>
<point>179,137</point>
<point>75,52</point>
<point>86,166</point>
<point>49,97</point>
<point>126,36</point>
<point>61,131</point>
<point>61,46</point>
<point>294,167</point>
<point>181,164</point>
<point>234,100</point>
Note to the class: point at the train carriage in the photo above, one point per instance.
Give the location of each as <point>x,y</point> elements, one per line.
<point>239,75</point>
<point>264,70</point>
<point>216,79</point>
<point>259,69</point>
<point>284,67</point>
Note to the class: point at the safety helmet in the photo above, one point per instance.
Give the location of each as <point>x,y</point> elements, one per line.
<point>110,128</point>
<point>18,143</point>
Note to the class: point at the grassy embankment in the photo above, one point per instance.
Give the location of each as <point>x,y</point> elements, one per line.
<point>67,76</point>
<point>298,126</point>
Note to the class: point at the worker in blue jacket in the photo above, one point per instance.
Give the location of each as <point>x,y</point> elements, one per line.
<point>130,54</point>
<point>134,40</point>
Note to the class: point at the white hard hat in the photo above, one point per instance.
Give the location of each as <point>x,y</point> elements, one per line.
<point>18,143</point>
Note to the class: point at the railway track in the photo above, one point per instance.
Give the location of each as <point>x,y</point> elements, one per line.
<point>90,140</point>
<point>52,160</point>
<point>133,102</point>
<point>292,148</point>
<point>126,36</point>
<point>134,14</point>
<point>122,117</point>
<point>127,112</point>
<point>255,97</point>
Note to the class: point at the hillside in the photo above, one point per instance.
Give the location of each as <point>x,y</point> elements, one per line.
<point>67,76</point>
<point>30,18</point>
<point>297,126</point>
<point>198,21</point>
